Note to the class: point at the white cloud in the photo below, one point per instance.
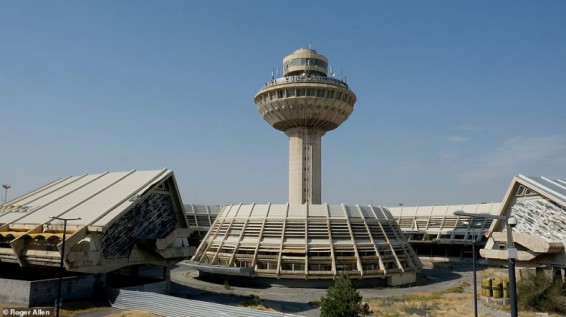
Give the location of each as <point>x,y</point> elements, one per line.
<point>515,155</point>
<point>456,139</point>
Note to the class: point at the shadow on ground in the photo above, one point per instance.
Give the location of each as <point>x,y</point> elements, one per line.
<point>192,293</point>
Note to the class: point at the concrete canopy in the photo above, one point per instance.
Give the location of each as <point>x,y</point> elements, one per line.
<point>539,205</point>
<point>126,218</point>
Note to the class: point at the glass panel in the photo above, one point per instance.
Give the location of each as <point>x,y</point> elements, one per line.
<point>290,92</point>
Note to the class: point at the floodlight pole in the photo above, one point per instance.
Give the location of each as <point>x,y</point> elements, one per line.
<point>474,260</point>
<point>6,187</point>
<point>59,301</point>
<point>511,254</point>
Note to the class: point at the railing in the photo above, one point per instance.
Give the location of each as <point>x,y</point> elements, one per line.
<point>306,79</point>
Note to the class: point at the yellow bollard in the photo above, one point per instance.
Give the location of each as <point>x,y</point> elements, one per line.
<point>497,287</point>
<point>486,287</point>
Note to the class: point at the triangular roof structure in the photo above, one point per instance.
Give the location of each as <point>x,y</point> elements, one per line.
<point>118,219</point>
<point>539,205</point>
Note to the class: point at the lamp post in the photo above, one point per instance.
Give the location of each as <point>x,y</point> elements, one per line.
<point>59,301</point>
<point>474,260</point>
<point>511,255</point>
<point>6,186</point>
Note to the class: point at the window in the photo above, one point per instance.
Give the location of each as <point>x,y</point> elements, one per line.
<point>320,267</point>
<point>290,92</point>
<point>320,92</point>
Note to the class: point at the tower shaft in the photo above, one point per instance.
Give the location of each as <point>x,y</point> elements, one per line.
<point>304,165</point>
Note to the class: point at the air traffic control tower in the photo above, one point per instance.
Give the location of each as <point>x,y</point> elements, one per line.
<point>305,103</point>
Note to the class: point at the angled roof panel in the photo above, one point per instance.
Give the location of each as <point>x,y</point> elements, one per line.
<point>244,211</point>
<point>297,210</point>
<point>555,188</point>
<point>335,211</point>
<point>317,211</point>
<point>277,211</point>
<point>259,211</point>
<point>123,193</point>
<point>119,212</point>
<point>72,198</point>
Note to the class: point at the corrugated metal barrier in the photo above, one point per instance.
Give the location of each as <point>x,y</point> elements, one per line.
<point>172,306</point>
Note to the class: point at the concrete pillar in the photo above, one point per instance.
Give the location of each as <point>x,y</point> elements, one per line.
<point>167,279</point>
<point>304,165</point>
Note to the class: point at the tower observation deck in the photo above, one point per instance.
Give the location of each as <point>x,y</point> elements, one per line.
<point>305,103</point>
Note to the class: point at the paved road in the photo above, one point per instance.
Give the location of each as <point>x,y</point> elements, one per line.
<point>295,300</point>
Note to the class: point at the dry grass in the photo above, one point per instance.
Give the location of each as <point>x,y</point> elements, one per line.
<point>255,303</point>
<point>452,302</point>
<point>424,304</point>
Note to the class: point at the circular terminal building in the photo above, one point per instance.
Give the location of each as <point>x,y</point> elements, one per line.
<point>309,242</point>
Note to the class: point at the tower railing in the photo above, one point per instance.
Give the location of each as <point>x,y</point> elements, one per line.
<point>305,79</point>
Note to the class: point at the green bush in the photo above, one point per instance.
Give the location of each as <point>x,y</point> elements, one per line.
<point>540,292</point>
<point>343,300</point>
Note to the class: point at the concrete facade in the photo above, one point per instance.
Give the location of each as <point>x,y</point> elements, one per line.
<point>305,103</point>
<point>44,292</point>
<point>307,242</point>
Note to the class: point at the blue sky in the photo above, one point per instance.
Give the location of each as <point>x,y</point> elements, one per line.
<point>454,97</point>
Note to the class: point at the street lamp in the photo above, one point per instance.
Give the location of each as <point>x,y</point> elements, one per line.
<point>6,186</point>
<point>474,260</point>
<point>510,222</point>
<point>59,301</point>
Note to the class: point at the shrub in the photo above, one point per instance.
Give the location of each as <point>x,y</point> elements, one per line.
<point>540,292</point>
<point>343,300</point>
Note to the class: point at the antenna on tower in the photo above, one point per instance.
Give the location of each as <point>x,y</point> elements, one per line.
<point>272,73</point>
<point>332,71</point>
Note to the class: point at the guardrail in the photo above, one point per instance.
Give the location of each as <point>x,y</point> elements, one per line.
<point>305,79</point>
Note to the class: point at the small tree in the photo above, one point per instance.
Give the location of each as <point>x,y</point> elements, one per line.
<point>343,300</point>
<point>542,292</point>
